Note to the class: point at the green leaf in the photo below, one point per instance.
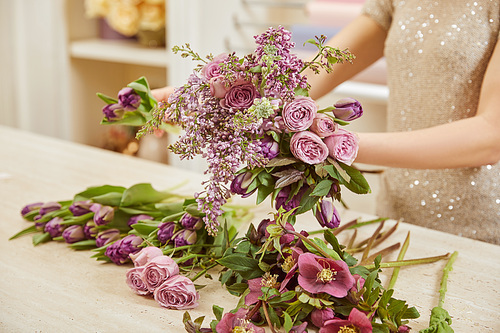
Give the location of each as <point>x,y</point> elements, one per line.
<point>92,192</point>
<point>218,311</point>
<point>330,238</point>
<point>26,231</point>
<point>41,238</point>
<point>83,245</point>
<point>288,322</point>
<point>247,267</point>
<point>323,188</point>
<point>263,192</point>
<point>307,202</point>
<point>140,194</point>
<point>439,322</point>
<point>321,244</point>
<point>301,92</point>
<point>108,199</point>
<point>107,99</point>
<point>133,118</point>
<point>356,184</point>
<point>327,109</point>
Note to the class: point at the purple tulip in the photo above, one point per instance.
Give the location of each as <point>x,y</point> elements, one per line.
<point>165,231</point>
<point>129,99</point>
<point>141,217</point>
<point>269,148</point>
<point>49,207</point>
<point>240,184</point>
<point>113,111</point>
<point>54,228</point>
<point>327,215</point>
<point>31,207</point>
<point>80,207</point>
<point>90,230</point>
<point>107,236</point>
<point>185,237</point>
<point>348,109</point>
<point>191,222</point>
<point>73,234</point>
<point>282,198</point>
<point>119,251</point>
<point>103,214</point>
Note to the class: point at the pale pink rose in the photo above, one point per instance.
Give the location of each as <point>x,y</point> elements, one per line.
<point>177,292</point>
<point>135,281</point>
<point>308,147</point>
<point>343,146</point>
<point>158,270</point>
<point>299,114</point>
<point>212,69</point>
<point>145,255</point>
<point>218,87</point>
<point>323,125</point>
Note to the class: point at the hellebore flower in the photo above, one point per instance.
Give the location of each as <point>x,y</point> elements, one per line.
<point>235,322</point>
<point>80,208</point>
<point>103,214</point>
<point>129,99</point>
<point>165,232</point>
<point>113,111</point>
<point>269,148</point>
<point>31,207</point>
<point>119,251</point>
<point>191,222</point>
<point>323,275</point>
<point>347,109</point>
<point>357,322</point>
<point>73,234</point>
<point>107,236</point>
<point>54,228</point>
<point>327,215</point>
<point>145,255</point>
<point>141,217</point>
<point>240,184</point>
<point>255,286</point>
<point>319,316</point>
<point>185,237</point>
<point>158,270</point>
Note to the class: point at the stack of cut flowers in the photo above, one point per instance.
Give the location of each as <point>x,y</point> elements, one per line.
<point>252,120</point>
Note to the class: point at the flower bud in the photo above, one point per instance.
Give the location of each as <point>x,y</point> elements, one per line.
<point>31,207</point>
<point>141,217</point>
<point>165,232</point>
<point>348,109</point>
<point>49,207</point>
<point>80,207</point>
<point>103,214</point>
<point>119,251</point>
<point>240,184</point>
<point>327,214</point>
<point>113,112</point>
<point>90,230</point>
<point>129,99</point>
<point>73,234</point>
<point>269,148</point>
<point>107,236</point>
<point>185,237</point>
<point>54,228</point>
<point>191,222</point>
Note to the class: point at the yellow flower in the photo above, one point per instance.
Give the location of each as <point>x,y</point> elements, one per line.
<point>152,17</point>
<point>96,8</point>
<point>124,18</point>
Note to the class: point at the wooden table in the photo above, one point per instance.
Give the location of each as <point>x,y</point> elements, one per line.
<point>50,288</point>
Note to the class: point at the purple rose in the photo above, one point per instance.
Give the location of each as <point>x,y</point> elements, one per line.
<point>343,146</point>
<point>113,111</point>
<point>327,215</point>
<point>347,109</point>
<point>240,184</point>
<point>308,147</point>
<point>177,292</point>
<point>129,99</point>
<point>323,125</point>
<point>107,236</point>
<point>165,231</point>
<point>218,87</point>
<point>158,270</point>
<point>212,69</point>
<point>135,281</point>
<point>240,96</point>
<point>299,114</point>
<point>73,234</point>
<point>54,228</point>
<point>119,251</point>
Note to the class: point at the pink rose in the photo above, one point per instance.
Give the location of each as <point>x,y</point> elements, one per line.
<point>135,281</point>
<point>323,125</point>
<point>212,69</point>
<point>145,255</point>
<point>177,292</point>
<point>343,146</point>
<point>299,114</point>
<point>308,147</point>
<point>240,96</point>
<point>158,270</point>
<point>218,87</point>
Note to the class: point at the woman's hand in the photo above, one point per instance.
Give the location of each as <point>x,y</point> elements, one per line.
<point>162,94</point>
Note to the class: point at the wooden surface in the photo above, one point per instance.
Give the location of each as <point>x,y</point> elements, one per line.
<point>50,288</point>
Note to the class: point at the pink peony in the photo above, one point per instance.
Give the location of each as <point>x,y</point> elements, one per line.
<point>299,114</point>
<point>177,292</point>
<point>357,322</point>
<point>323,125</point>
<point>144,256</point>
<point>308,147</point>
<point>322,275</point>
<point>343,146</point>
<point>135,281</point>
<point>158,270</point>
<point>212,69</point>
<point>235,322</point>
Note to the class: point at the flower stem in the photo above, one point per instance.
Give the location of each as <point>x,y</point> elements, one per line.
<point>401,255</point>
<point>266,313</point>
<point>186,247</point>
<point>444,281</point>
<point>409,262</point>
<point>203,271</point>
<point>308,241</point>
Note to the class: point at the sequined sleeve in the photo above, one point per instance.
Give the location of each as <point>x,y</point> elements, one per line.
<point>380,11</point>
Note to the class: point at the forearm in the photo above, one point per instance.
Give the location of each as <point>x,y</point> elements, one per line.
<point>465,143</point>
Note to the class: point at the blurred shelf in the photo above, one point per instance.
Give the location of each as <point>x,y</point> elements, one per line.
<point>121,51</point>
<point>366,92</point>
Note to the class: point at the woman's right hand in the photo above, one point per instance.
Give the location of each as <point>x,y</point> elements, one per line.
<point>162,94</point>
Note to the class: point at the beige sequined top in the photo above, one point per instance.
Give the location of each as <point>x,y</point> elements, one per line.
<point>437,53</point>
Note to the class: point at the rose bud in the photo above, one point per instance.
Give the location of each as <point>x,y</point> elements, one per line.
<point>185,237</point>
<point>73,234</point>
<point>113,112</point>
<point>144,256</point>
<point>269,148</point>
<point>191,222</point>
<point>218,88</point>
<point>299,114</point>
<point>107,236</point>
<point>240,184</point>
<point>90,230</point>
<point>54,228</point>
<point>308,147</point>
<point>165,231</point>
<point>119,251</point>
<point>80,207</point>
<point>319,316</point>
<point>327,214</point>
<point>343,146</point>
<point>129,99</point>
<point>49,207</point>
<point>103,214</point>
<point>347,109</point>
<point>141,217</point>
<point>323,125</point>
<point>31,207</point>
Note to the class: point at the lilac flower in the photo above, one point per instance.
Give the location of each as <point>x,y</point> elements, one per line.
<point>119,251</point>
<point>54,228</point>
<point>113,112</point>
<point>73,234</point>
<point>191,222</point>
<point>356,322</point>
<point>31,207</point>
<point>327,215</point>
<point>103,214</point>
<point>165,232</point>
<point>323,275</point>
<point>136,218</point>
<point>107,236</point>
<point>80,207</point>
<point>240,184</point>
<point>184,237</point>
<point>348,109</point>
<point>129,99</point>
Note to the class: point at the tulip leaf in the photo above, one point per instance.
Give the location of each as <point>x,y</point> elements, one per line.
<point>323,188</point>
<point>41,238</point>
<point>107,99</point>
<point>92,192</point>
<point>133,118</point>
<point>83,245</point>
<point>26,231</point>
<point>357,182</point>
<point>141,194</point>
<point>108,199</point>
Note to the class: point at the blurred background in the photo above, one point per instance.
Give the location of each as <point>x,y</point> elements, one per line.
<point>57,54</point>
